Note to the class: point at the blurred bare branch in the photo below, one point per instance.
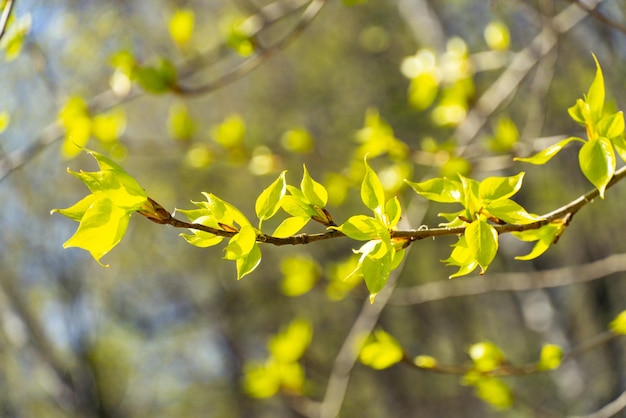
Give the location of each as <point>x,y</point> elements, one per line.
<point>599,16</point>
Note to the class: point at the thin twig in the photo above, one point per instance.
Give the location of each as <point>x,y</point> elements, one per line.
<point>565,212</point>
<point>312,10</point>
<point>523,62</point>
<point>599,16</point>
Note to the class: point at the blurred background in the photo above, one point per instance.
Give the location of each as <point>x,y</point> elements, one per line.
<point>424,88</point>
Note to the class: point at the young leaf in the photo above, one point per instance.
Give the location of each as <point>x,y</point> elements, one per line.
<point>314,191</point>
<point>290,226</point>
<point>104,214</point>
<point>362,228</point>
<point>376,267</point>
<point>372,192</point>
<point>482,242</point>
<point>510,212</point>
<point>611,126</point>
<point>438,190</point>
<point>241,244</point>
<point>544,236</point>
<point>268,202</point>
<point>249,262</point>
<point>595,96</point>
<point>486,356</point>
<point>597,162</point>
<point>393,210</point>
<point>199,238</point>
<point>180,26</point>
<point>461,257</point>
<point>494,188</point>
<point>546,155</point>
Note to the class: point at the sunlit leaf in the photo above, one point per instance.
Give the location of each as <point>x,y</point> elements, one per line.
<point>393,210</point>
<point>313,191</point>
<point>241,244</point>
<point>425,362</point>
<point>595,95</point>
<point>4,121</point>
<point>439,190</point>
<point>497,36</point>
<point>108,127</point>
<point>494,188</point>
<point>482,242</point>
<point>611,126</point>
<point>510,212</point>
<point>546,155</point>
<point>156,79</point>
<point>268,202</point>
<point>544,236</point>
<point>597,162</point>
<point>494,391</point>
<point>297,140</point>
<point>180,124</point>
<point>290,226</point>
<point>372,192</point>
<point>362,228</point>
<point>230,132</point>
<point>248,263</point>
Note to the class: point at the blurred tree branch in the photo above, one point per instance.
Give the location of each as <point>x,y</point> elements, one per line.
<point>599,16</point>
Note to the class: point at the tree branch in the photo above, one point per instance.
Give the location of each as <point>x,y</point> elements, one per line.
<point>563,214</point>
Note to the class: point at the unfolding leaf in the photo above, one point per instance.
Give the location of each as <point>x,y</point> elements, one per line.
<point>439,190</point>
<point>249,262</point>
<point>494,188</point>
<point>372,192</point>
<point>544,236</point>
<point>482,243</point>
<point>611,126</point>
<point>362,228</point>
<point>290,344</point>
<point>393,212</point>
<point>546,155</point>
<point>104,214</point>
<point>314,191</point>
<point>486,356</point>
<point>268,202</point>
<point>595,95</point>
<point>618,325</point>
<point>510,212</point>
<point>597,162</point>
<point>241,244</point>
<point>290,226</point>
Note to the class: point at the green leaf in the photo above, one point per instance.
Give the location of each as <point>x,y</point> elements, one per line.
<point>362,228</point>
<point>104,214</point>
<point>510,212</point>
<point>494,391</point>
<point>372,192</point>
<point>482,242</point>
<point>438,190</point>
<point>494,188</point>
<point>618,325</point>
<point>249,262</point>
<point>241,244</point>
<point>297,205</point>
<point>546,155</point>
<point>180,124</point>
<point>619,143</point>
<point>290,226</point>
<point>544,236</point>
<point>550,357</point>
<point>200,238</point>
<point>611,126</point>
<point>381,351</point>
<point>579,111</point>
<point>4,121</point>
<point>393,210</point>
<point>376,267</point>
<point>314,191</point>
<point>595,95</point>
<point>461,257</point>
<point>597,162</point>
<point>101,228</point>
<point>268,202</point>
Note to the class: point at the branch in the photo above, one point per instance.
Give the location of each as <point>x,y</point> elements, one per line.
<point>158,214</point>
<point>609,410</point>
<point>510,282</point>
<point>523,62</point>
<point>312,10</point>
<point>6,14</point>
<point>599,16</point>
